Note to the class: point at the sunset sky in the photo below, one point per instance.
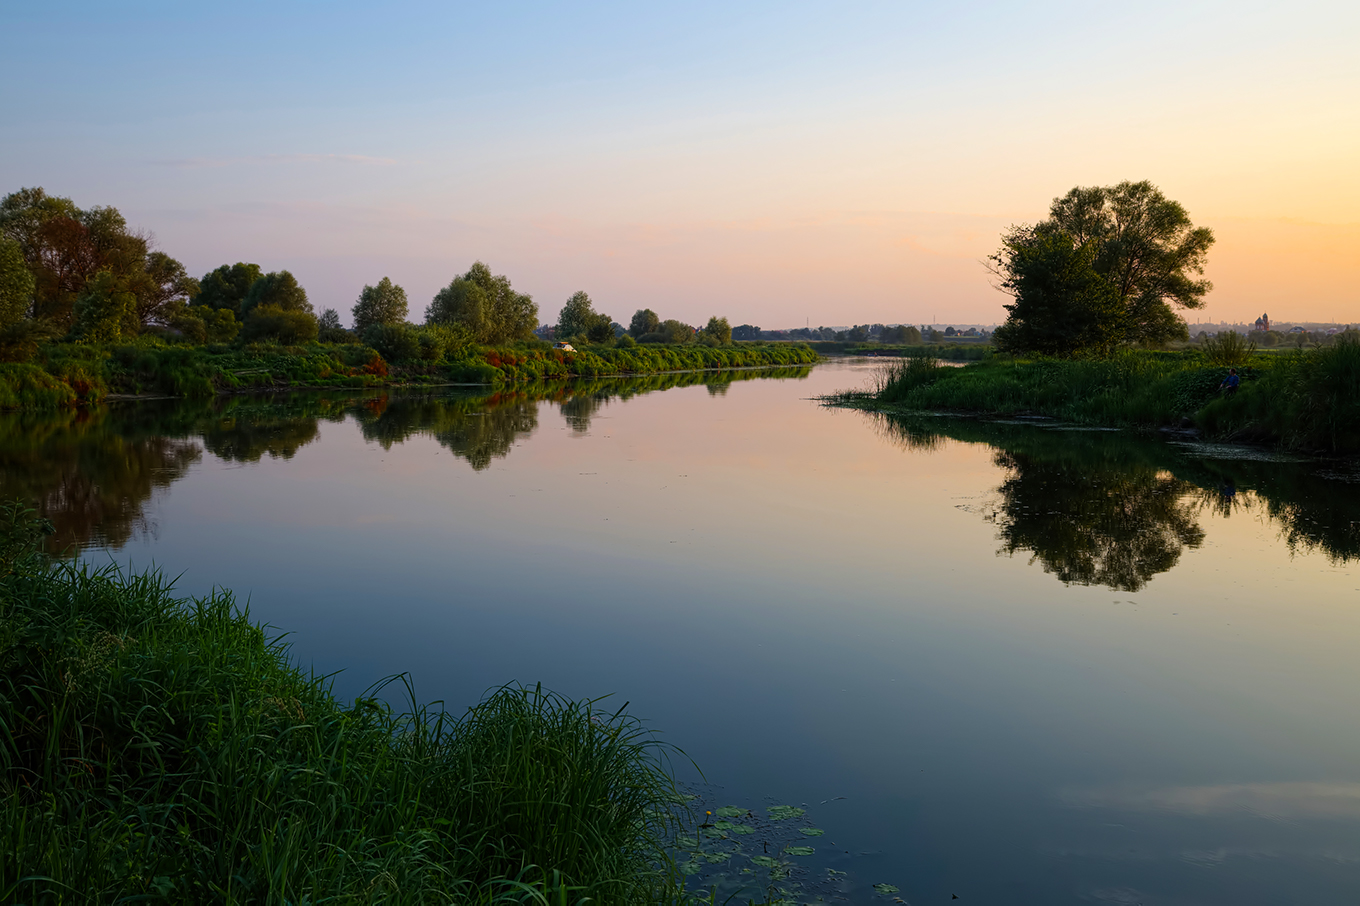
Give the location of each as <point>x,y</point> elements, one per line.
<point>778,163</point>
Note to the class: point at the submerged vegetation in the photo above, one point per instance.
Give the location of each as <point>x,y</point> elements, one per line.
<point>165,749</point>
<point>1304,400</point>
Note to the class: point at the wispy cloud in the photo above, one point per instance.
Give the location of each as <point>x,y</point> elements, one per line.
<point>188,163</point>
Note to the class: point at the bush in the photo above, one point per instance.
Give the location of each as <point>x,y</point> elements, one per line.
<point>269,322</point>
<point>1229,349</point>
<point>394,342</point>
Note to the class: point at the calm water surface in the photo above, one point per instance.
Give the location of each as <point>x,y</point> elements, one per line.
<point>1011,663</point>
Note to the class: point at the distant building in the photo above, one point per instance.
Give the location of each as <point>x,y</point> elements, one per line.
<point>1263,322</point>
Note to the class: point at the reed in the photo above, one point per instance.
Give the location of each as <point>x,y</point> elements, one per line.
<point>166,749</point>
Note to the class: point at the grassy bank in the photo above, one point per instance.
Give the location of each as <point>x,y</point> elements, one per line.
<point>1306,400</point>
<point>69,374</point>
<point>162,749</point>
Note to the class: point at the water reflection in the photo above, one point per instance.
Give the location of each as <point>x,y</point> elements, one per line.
<point>88,473</point>
<point>1113,509</point>
<point>1092,523</point>
<point>92,473</point>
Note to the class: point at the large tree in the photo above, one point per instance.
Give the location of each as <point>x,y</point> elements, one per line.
<point>644,321</point>
<point>579,318</point>
<point>1063,305</point>
<point>718,329</point>
<point>16,284</point>
<point>1131,238</point>
<point>486,305</point>
<point>277,289</point>
<point>381,304</point>
<point>163,289</point>
<point>226,287</point>
<point>65,247</point>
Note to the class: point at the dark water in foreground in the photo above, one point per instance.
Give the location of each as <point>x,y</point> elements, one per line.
<point>1010,663</point>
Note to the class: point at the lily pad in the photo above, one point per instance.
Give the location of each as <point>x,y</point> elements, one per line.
<point>799,850</point>
<point>780,812</point>
<point>886,889</point>
<point>712,833</point>
<point>686,842</point>
<point>715,858</point>
<point>811,831</point>
<point>765,861</point>
<point>742,829</point>
<point>729,811</point>
<point>691,868</point>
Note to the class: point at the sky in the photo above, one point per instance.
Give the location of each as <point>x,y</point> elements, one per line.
<point>780,164</point>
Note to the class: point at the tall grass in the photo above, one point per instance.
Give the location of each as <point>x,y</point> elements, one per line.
<point>162,749</point>
<point>1305,400</point>
<point>1229,349</point>
<point>1310,400</point>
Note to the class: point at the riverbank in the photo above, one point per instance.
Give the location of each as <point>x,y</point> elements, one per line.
<point>74,375</point>
<point>167,749</point>
<point>1304,400</point>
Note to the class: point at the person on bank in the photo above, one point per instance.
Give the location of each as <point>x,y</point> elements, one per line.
<point>1230,382</point>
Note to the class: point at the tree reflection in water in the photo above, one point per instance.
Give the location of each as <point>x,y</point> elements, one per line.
<point>92,473</point>
<point>1115,509</point>
<point>85,476</point>
<point>1092,526</point>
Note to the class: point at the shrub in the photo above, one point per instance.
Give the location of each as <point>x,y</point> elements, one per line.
<point>286,326</point>
<point>394,342</point>
<point>1229,349</point>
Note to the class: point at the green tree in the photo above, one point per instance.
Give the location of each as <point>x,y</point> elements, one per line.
<point>277,289</point>
<point>486,305</point>
<point>330,330</point>
<point>1141,243</point>
<point>579,318</point>
<point>381,304</point>
<point>16,284</point>
<point>718,329</point>
<point>746,332</point>
<point>672,331</point>
<point>576,317</point>
<point>1062,304</point>
<point>65,247</point>
<point>163,290</point>
<point>226,287</point>
<point>644,322</point>
<point>105,310</point>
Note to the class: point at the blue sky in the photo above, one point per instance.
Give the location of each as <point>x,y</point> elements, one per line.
<point>775,163</point>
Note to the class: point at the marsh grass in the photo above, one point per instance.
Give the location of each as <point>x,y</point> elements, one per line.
<point>157,748</point>
<point>1309,400</point>
<point>1134,389</point>
<point>1229,349</point>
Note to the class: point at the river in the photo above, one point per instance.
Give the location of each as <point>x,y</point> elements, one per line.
<point>1004,661</point>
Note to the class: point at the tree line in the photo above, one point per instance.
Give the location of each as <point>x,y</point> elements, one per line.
<point>84,275</point>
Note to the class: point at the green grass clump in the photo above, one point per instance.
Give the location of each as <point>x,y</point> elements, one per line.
<point>1309,400</point>
<point>29,386</point>
<point>1303,400</point>
<point>155,748</point>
